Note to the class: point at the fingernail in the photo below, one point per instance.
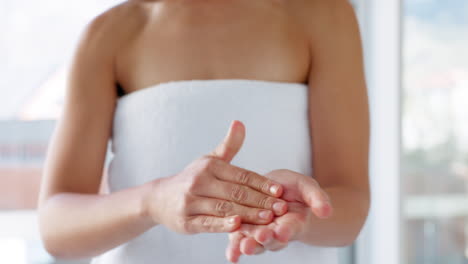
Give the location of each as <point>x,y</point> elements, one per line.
<point>264,214</point>
<point>317,204</point>
<point>274,189</point>
<point>278,207</point>
<point>232,220</point>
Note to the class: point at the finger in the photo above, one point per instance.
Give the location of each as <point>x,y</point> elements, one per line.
<point>232,142</point>
<point>233,252</point>
<point>275,245</point>
<point>224,208</point>
<point>244,195</point>
<point>230,173</point>
<point>282,233</point>
<point>259,249</point>
<point>211,224</point>
<point>248,246</point>
<point>251,230</point>
<point>263,235</point>
<point>315,197</point>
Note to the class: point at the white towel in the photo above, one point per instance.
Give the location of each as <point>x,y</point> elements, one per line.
<point>160,129</point>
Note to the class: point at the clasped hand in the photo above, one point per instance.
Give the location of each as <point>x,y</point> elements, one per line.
<point>259,212</point>
<point>304,197</point>
<point>211,195</point>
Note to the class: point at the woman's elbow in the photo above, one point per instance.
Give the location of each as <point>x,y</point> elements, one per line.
<point>51,241</point>
<point>51,245</point>
<point>54,249</point>
<point>362,212</point>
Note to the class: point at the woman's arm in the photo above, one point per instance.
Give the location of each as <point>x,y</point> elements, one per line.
<point>75,221</point>
<point>339,126</point>
<point>339,123</point>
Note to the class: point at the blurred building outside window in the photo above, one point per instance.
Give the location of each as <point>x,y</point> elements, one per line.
<point>435,132</point>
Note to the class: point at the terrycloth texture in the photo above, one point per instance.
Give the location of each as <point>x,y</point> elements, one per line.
<point>159,130</point>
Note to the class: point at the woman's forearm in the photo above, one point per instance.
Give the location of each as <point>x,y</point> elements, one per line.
<point>77,225</point>
<point>350,210</point>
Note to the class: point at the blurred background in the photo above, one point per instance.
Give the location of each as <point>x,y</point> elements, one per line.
<point>416,54</point>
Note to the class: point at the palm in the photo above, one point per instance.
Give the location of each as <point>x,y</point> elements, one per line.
<point>298,210</point>
<point>304,197</point>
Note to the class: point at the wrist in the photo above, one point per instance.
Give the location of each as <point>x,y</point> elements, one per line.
<point>150,201</point>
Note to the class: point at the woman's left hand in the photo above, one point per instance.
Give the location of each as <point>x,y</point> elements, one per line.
<point>304,197</point>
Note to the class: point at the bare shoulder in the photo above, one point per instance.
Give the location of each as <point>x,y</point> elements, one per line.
<point>114,27</point>
<point>323,8</point>
<point>319,17</point>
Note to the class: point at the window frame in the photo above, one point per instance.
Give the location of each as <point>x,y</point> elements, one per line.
<point>380,240</point>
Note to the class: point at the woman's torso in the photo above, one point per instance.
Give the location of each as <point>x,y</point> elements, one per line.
<point>159,130</point>
<point>156,134</point>
<point>207,39</point>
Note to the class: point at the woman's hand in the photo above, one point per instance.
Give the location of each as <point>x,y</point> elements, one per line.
<point>210,195</point>
<point>304,197</point>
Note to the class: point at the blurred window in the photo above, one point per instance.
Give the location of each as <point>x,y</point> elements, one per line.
<point>36,45</point>
<point>435,131</point>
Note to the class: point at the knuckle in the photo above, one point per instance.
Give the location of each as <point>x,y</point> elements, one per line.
<point>206,221</point>
<point>238,193</point>
<point>196,182</point>
<point>201,164</point>
<point>209,224</point>
<point>193,186</point>
<point>202,169</point>
<point>252,216</point>
<point>264,202</point>
<point>244,177</point>
<point>209,163</point>
<point>223,208</point>
<point>186,203</point>
<point>265,186</point>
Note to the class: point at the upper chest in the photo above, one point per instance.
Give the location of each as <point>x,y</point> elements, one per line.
<point>208,39</point>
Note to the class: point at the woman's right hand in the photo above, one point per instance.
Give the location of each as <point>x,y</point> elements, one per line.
<point>211,195</point>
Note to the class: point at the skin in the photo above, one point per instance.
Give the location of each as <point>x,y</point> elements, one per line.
<point>214,193</point>
<point>141,43</point>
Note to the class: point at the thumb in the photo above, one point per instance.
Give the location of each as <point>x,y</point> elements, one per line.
<point>315,197</point>
<point>232,142</point>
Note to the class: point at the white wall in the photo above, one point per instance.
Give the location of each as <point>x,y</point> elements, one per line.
<point>380,22</point>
